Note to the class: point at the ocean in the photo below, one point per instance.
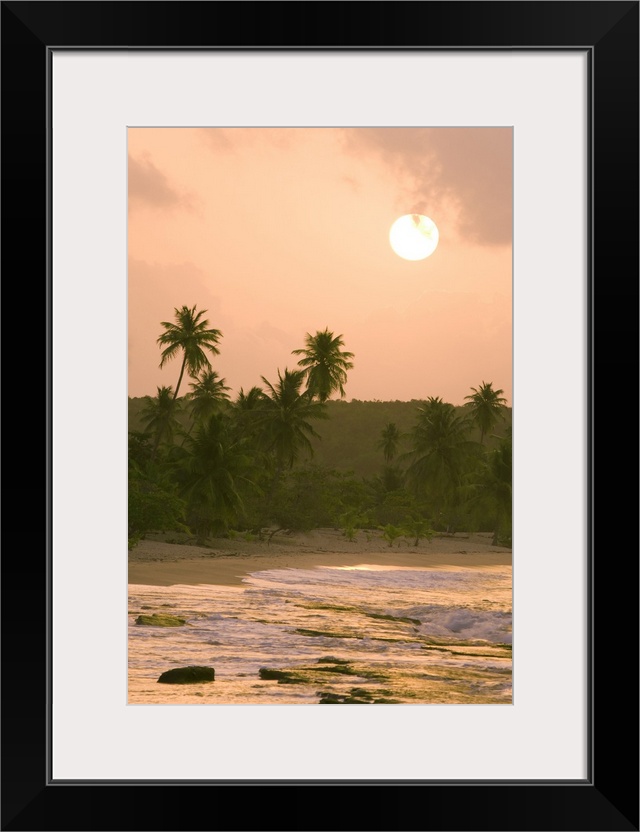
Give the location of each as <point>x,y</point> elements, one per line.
<point>330,635</point>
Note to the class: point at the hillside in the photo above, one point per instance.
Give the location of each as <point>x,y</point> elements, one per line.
<point>350,435</point>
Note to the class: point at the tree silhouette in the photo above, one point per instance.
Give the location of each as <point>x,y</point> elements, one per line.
<point>324,364</point>
<point>389,441</point>
<point>441,455</point>
<point>487,406</point>
<point>287,414</point>
<point>159,416</point>
<point>207,393</point>
<point>491,489</point>
<point>249,416</point>
<point>210,471</point>
<point>189,335</point>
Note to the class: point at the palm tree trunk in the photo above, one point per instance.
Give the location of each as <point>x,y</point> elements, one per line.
<point>184,364</point>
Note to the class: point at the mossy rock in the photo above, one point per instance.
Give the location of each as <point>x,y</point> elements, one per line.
<point>160,620</point>
<point>336,699</point>
<point>283,677</point>
<point>303,631</point>
<point>268,673</point>
<point>329,698</point>
<point>188,675</point>
<point>356,696</point>
<point>343,669</point>
<point>332,660</point>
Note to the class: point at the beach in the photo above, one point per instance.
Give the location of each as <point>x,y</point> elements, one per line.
<point>156,562</point>
<point>316,618</point>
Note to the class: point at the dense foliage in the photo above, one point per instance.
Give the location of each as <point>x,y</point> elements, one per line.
<point>284,456</point>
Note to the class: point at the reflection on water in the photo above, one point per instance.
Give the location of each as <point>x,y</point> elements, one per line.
<point>361,634</point>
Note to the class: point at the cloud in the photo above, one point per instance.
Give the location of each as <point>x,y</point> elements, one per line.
<point>149,186</point>
<point>269,333</point>
<point>216,138</point>
<point>469,167</point>
<point>230,139</point>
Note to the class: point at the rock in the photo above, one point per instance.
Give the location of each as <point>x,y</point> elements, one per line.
<point>268,673</point>
<point>188,675</point>
<point>284,677</point>
<point>332,660</point>
<point>161,620</point>
<point>328,698</point>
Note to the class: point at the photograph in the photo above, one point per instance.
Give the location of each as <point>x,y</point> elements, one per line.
<point>319,415</point>
<point>367,275</point>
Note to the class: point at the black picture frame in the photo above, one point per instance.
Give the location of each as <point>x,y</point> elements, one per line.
<point>608,798</point>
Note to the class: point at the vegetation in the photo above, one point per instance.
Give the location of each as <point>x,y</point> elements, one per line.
<point>284,456</point>
<point>207,395</point>
<point>160,416</point>
<point>189,335</point>
<point>325,364</point>
<point>389,441</point>
<point>487,407</point>
<point>442,455</point>
<point>209,470</point>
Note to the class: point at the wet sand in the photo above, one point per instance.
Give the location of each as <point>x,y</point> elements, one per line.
<point>156,562</point>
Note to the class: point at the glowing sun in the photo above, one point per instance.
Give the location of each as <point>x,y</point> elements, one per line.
<point>414,236</point>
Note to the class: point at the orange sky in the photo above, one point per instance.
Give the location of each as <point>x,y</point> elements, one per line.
<point>280,232</point>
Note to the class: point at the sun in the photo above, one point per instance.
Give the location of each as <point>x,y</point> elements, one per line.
<point>414,236</point>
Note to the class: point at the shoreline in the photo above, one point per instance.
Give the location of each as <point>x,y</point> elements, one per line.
<point>156,562</point>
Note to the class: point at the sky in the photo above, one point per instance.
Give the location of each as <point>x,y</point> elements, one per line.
<point>280,232</point>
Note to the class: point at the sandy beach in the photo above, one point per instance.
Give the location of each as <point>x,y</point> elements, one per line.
<point>156,562</point>
<point>297,634</point>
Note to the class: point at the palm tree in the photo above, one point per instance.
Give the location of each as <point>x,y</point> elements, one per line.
<point>207,393</point>
<point>286,417</point>
<point>442,452</point>
<point>491,491</point>
<point>190,335</point>
<point>210,471</point>
<point>248,416</point>
<point>487,406</point>
<point>324,364</point>
<point>389,441</point>
<point>250,400</point>
<point>159,416</point>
